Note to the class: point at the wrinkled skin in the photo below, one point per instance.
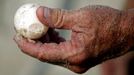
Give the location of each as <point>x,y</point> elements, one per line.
<point>99,33</point>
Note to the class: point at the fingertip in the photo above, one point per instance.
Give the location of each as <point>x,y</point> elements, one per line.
<point>21,41</point>
<point>17,38</point>
<point>27,46</point>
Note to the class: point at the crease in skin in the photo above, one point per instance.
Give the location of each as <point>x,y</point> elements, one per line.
<point>70,49</point>
<point>81,54</point>
<point>60,18</point>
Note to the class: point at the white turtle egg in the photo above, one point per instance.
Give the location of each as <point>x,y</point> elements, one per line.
<point>27,23</point>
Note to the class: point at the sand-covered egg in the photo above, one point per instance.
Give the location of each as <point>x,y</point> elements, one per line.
<point>27,23</point>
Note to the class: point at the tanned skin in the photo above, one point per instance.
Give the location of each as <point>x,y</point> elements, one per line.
<point>99,33</point>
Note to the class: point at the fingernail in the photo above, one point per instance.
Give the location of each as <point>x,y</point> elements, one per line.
<point>31,41</point>
<point>18,37</point>
<point>47,12</point>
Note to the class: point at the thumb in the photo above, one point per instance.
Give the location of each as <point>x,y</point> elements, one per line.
<point>56,18</point>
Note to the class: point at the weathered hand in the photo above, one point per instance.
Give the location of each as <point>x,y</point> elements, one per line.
<point>99,33</point>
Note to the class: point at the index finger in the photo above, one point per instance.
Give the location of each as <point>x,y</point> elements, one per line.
<point>51,52</point>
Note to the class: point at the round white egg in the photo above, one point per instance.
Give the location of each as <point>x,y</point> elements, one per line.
<point>27,23</point>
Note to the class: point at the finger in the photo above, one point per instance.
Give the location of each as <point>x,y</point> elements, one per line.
<point>51,52</point>
<point>27,47</point>
<point>56,18</point>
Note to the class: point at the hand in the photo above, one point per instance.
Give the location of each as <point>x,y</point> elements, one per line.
<point>98,34</point>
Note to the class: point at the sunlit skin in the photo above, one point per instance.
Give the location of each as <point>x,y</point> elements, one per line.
<point>99,33</point>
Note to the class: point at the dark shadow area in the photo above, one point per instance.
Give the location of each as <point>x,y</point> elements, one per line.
<point>131,66</point>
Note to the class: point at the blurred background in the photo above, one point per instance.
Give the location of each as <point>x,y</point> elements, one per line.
<point>14,62</point>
